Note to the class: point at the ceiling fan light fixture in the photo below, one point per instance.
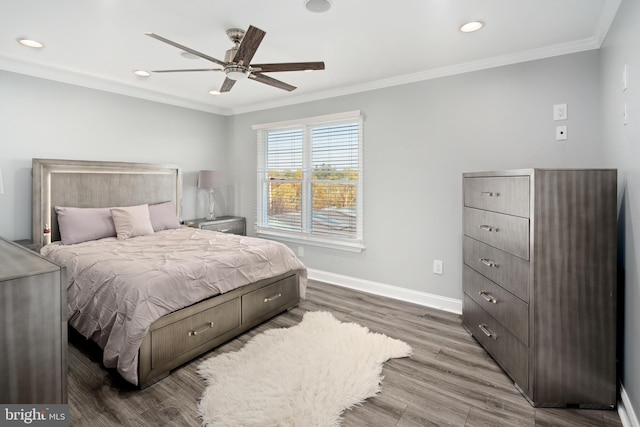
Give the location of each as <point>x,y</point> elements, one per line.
<point>317,6</point>
<point>30,43</point>
<point>235,72</point>
<point>470,27</point>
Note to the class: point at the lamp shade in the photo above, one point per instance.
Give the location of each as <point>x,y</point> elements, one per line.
<point>209,179</point>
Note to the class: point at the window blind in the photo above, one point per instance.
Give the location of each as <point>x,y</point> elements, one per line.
<point>310,180</point>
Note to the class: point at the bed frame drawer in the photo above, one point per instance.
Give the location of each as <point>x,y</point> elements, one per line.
<point>509,195</point>
<point>187,334</point>
<point>511,354</point>
<point>270,299</point>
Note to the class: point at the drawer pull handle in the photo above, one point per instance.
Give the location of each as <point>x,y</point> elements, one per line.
<point>488,228</point>
<point>269,299</point>
<point>487,332</point>
<point>209,325</point>
<point>488,297</point>
<point>489,194</point>
<point>488,263</point>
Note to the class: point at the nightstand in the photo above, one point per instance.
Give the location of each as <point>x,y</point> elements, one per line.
<point>27,243</point>
<point>223,224</point>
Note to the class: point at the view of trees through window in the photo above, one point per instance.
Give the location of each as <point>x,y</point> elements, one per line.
<point>320,178</point>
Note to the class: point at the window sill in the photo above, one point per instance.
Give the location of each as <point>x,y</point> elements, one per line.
<point>312,241</point>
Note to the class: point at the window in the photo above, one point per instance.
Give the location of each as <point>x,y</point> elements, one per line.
<point>310,181</point>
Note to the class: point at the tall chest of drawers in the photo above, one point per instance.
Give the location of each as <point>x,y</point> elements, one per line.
<point>539,280</point>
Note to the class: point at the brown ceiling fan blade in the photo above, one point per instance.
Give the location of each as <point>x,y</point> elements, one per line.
<point>187,49</point>
<point>288,66</point>
<point>249,44</point>
<point>271,81</point>
<point>186,71</point>
<point>227,84</point>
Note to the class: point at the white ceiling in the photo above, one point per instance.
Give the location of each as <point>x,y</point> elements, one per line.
<point>365,44</point>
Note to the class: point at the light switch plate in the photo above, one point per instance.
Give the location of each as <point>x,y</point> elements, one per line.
<point>560,112</point>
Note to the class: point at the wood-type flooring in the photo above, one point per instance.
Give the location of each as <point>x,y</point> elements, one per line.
<point>448,381</point>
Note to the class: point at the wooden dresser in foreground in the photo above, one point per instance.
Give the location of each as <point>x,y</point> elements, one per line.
<point>33,327</point>
<point>539,280</point>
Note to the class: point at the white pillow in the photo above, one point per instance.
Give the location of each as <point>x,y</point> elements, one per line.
<point>132,221</point>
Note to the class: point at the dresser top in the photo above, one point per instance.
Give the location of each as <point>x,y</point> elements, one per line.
<point>530,171</point>
<point>16,261</point>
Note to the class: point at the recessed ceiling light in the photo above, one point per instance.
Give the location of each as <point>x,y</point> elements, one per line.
<point>30,43</point>
<point>317,6</point>
<point>141,73</point>
<point>472,26</point>
<point>189,55</point>
<point>214,92</point>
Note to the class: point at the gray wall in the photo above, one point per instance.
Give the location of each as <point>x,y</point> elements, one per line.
<point>45,119</point>
<point>418,140</point>
<point>622,151</point>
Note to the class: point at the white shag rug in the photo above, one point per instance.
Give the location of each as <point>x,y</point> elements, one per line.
<point>305,375</point>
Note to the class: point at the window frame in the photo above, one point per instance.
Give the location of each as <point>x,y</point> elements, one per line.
<point>305,236</point>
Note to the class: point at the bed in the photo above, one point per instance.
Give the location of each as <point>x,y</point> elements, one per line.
<point>157,300</point>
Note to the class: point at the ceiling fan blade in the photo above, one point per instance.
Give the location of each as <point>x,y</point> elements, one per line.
<point>271,81</point>
<point>227,84</point>
<point>187,49</point>
<point>186,71</point>
<point>249,44</point>
<point>288,66</point>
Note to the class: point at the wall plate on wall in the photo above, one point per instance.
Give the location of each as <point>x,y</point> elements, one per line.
<point>560,112</point>
<point>561,133</point>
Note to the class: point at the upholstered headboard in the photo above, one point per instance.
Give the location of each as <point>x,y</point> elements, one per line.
<point>85,184</point>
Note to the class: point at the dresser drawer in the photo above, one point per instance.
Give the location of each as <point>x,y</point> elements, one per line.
<point>233,227</point>
<point>509,195</point>
<point>270,299</point>
<point>508,271</point>
<point>510,311</point>
<point>182,336</point>
<point>506,232</point>
<point>506,349</point>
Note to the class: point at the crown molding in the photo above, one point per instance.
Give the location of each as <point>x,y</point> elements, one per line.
<point>607,16</point>
<point>467,67</point>
<point>100,83</point>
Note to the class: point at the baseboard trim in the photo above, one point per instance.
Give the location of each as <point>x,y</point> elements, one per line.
<point>627,415</point>
<point>422,298</point>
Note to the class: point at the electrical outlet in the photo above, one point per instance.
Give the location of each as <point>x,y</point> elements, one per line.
<point>437,266</point>
<point>560,112</point>
<point>561,133</point>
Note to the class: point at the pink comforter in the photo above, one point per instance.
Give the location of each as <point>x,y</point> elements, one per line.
<point>118,288</point>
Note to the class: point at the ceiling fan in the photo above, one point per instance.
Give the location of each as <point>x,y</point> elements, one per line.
<point>237,60</point>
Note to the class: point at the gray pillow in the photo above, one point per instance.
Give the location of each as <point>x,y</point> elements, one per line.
<point>78,225</point>
<point>163,216</point>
